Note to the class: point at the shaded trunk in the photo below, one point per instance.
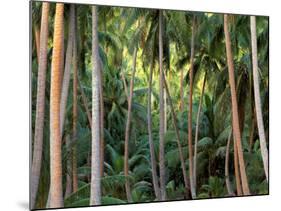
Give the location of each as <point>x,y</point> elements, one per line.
<point>67,68</point>
<point>192,188</point>
<point>196,132</point>
<point>236,129</point>
<point>226,166</point>
<point>236,170</point>
<point>127,131</point>
<point>161,113</point>
<point>252,131</point>
<point>263,147</point>
<point>68,186</point>
<point>181,92</point>
<point>150,136</point>
<point>56,193</point>
<point>95,193</point>
<point>40,107</point>
<point>174,117</point>
<point>101,121</point>
<point>74,109</point>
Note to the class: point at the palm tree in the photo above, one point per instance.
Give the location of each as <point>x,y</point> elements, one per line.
<point>263,147</point>
<point>56,195</point>
<point>192,188</point>
<point>161,112</point>
<point>74,108</point>
<point>40,105</point>
<point>236,129</point>
<point>95,193</point>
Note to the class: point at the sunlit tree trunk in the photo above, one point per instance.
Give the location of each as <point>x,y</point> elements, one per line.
<point>161,113</point>
<point>192,188</point>
<point>37,41</point>
<point>264,151</point>
<point>95,193</point>
<point>56,195</point>
<point>127,131</point>
<point>67,68</point>
<point>74,108</point>
<point>174,117</point>
<point>150,136</point>
<point>40,106</point>
<point>196,132</point>
<point>226,166</point>
<point>236,129</point>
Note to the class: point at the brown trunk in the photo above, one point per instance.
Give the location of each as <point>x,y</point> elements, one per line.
<point>40,107</point>
<point>127,131</point>
<point>37,41</point>
<point>56,195</point>
<point>161,114</point>
<point>193,193</point>
<point>236,129</point>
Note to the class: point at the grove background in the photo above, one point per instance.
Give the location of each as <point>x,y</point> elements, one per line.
<point>14,103</point>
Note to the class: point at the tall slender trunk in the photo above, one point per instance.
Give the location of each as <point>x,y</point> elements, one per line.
<point>165,107</point>
<point>101,121</point>
<point>196,132</point>
<point>127,131</point>
<point>161,113</point>
<point>74,108</point>
<point>40,106</point>
<point>236,170</point>
<point>56,194</point>
<point>252,131</point>
<point>236,129</point>
<point>264,151</point>
<point>67,68</point>
<point>174,117</point>
<point>192,188</point>
<point>37,42</point>
<point>181,92</point>
<point>95,195</point>
<point>68,188</point>
<point>150,137</point>
<point>226,166</point>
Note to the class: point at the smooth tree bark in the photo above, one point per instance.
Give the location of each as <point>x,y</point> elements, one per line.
<point>127,130</point>
<point>95,192</point>
<point>174,117</point>
<point>37,41</point>
<point>236,170</point>
<point>190,150</point>
<point>67,67</point>
<point>263,147</point>
<point>150,136</point>
<point>40,105</point>
<point>226,166</point>
<point>161,113</point>
<point>197,131</point>
<point>56,193</point>
<point>101,120</point>
<point>74,110</point>
<point>235,117</point>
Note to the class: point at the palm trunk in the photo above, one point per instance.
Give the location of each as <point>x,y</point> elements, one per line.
<point>226,166</point>
<point>37,42</point>
<point>127,131</point>
<point>236,129</point>
<point>165,108</point>
<point>95,195</point>
<point>40,106</point>
<point>161,113</point>
<point>236,170</point>
<point>196,132</point>
<point>67,68</point>
<point>181,92</point>
<point>56,194</point>
<point>101,122</point>
<point>68,188</point>
<point>178,138</point>
<point>264,151</point>
<point>192,188</point>
<point>74,109</point>
<point>150,137</point>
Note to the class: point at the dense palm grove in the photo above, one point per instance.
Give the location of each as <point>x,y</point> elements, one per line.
<point>139,105</point>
